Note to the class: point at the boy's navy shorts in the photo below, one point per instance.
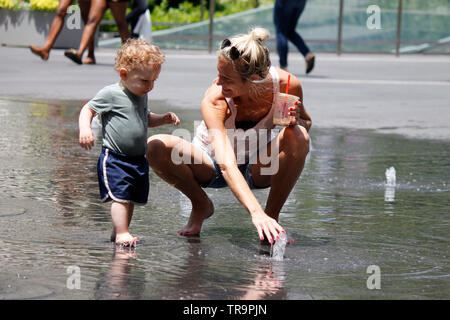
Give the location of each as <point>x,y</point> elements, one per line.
<point>122,178</point>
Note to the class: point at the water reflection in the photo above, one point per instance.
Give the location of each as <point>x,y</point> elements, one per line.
<point>268,283</point>
<point>124,279</point>
<point>212,271</point>
<point>389,194</point>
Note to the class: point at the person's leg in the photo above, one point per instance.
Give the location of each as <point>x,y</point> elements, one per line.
<point>55,29</point>
<point>293,36</point>
<point>292,144</point>
<point>129,217</point>
<point>85,6</point>
<point>138,8</point>
<point>96,12</point>
<point>121,214</point>
<point>186,177</point>
<point>281,34</point>
<point>118,10</point>
<point>297,39</point>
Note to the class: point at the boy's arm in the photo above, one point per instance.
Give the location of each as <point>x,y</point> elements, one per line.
<point>156,120</point>
<point>84,124</point>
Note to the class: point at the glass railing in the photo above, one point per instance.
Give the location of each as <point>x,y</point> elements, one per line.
<point>373,26</point>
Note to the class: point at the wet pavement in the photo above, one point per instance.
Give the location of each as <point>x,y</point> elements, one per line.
<point>369,113</point>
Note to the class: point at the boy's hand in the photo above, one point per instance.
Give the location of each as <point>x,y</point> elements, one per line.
<point>86,139</point>
<point>171,117</point>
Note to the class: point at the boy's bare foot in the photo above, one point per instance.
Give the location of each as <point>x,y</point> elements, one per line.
<point>198,215</point>
<point>39,52</point>
<point>126,239</point>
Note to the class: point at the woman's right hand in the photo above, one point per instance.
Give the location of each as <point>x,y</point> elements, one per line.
<point>87,139</point>
<point>267,227</point>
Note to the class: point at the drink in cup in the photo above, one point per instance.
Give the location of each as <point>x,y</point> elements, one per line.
<point>283,102</point>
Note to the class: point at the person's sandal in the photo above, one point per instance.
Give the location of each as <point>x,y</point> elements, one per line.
<point>72,55</point>
<point>310,64</point>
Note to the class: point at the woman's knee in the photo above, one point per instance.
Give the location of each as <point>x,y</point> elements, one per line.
<point>61,12</point>
<point>157,147</point>
<point>96,13</point>
<point>295,141</point>
<point>63,5</point>
<point>93,20</point>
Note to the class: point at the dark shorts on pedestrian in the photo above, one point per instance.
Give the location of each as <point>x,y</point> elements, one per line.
<point>122,178</point>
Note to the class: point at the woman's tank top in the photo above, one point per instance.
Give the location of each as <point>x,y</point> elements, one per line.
<point>245,143</point>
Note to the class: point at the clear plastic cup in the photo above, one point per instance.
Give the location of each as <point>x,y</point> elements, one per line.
<point>283,102</point>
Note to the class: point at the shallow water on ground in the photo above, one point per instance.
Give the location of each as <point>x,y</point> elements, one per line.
<point>341,214</point>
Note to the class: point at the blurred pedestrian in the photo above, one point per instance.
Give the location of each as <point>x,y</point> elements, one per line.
<point>140,20</point>
<point>286,15</point>
<point>57,25</point>
<point>98,8</point>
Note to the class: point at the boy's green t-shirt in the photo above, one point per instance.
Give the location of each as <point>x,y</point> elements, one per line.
<point>124,119</point>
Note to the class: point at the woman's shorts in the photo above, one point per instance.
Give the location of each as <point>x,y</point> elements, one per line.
<point>218,181</point>
<point>122,178</point>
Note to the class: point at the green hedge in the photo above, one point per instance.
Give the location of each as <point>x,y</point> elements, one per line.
<point>36,5</point>
<point>189,12</point>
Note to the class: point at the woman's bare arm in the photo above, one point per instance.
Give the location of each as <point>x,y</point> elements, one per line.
<point>214,110</point>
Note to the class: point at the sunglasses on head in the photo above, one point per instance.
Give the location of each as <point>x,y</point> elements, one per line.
<point>234,52</point>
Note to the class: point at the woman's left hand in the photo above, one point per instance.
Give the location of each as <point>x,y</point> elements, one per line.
<point>294,112</point>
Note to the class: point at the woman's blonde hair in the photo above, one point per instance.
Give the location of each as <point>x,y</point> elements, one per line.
<point>249,56</point>
<point>136,53</point>
<point>248,53</point>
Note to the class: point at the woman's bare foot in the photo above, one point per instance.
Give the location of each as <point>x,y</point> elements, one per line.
<point>198,215</point>
<point>126,239</point>
<point>40,52</point>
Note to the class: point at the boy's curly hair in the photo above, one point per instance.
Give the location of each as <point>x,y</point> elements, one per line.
<point>136,53</point>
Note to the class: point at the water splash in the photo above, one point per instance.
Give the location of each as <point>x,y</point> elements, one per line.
<point>389,192</point>
<point>278,248</point>
<point>390,177</point>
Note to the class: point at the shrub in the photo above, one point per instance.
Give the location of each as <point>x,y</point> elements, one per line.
<point>37,5</point>
<point>44,5</point>
<point>9,4</point>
